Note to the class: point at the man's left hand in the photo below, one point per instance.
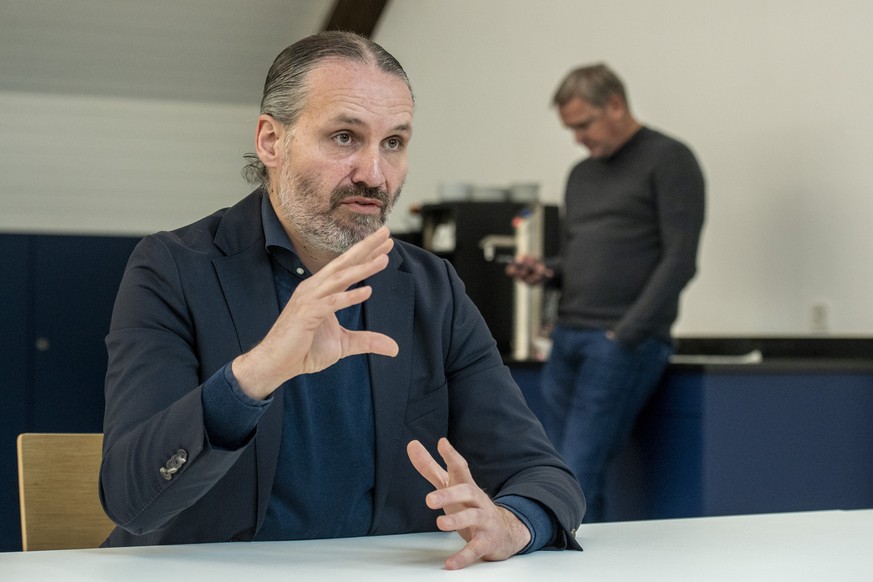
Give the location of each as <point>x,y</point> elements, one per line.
<point>492,532</point>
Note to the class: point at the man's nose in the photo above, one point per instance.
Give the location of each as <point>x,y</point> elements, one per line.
<point>368,168</point>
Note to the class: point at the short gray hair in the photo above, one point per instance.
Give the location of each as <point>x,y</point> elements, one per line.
<point>285,89</point>
<point>593,83</point>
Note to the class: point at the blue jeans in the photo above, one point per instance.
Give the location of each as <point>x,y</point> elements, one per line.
<point>594,388</point>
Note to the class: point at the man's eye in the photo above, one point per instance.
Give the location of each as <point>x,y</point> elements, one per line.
<point>343,138</point>
<point>394,143</point>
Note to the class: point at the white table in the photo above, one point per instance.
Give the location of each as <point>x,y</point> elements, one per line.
<point>827,546</point>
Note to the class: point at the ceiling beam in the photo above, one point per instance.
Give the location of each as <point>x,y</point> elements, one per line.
<point>359,16</point>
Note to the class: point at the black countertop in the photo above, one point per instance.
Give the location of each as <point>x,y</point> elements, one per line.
<point>769,354</point>
<point>774,354</point>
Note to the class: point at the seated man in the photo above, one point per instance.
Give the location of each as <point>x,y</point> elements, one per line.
<point>273,365</point>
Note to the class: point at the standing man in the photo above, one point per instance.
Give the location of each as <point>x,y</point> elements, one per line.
<point>633,213</point>
<point>283,369</point>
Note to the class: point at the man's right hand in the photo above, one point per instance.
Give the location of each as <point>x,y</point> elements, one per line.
<point>307,337</point>
<point>528,269</point>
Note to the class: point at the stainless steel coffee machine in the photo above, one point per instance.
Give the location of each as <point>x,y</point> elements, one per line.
<point>479,238</point>
<point>533,307</point>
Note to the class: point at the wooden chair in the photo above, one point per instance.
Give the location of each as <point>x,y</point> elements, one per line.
<point>57,485</point>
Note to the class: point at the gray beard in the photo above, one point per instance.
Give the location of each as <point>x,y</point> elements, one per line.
<point>322,227</point>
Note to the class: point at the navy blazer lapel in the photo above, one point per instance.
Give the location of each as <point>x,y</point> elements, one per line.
<point>244,272</point>
<point>246,279</point>
<point>389,310</point>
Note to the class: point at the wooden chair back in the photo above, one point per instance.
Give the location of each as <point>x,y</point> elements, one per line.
<point>58,490</point>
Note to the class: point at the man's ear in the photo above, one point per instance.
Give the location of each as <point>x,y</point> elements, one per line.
<point>268,140</point>
<point>616,106</point>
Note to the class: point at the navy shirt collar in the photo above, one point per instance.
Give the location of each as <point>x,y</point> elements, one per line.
<point>277,243</point>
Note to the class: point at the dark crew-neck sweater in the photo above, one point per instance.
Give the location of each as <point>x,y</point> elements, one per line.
<point>631,227</point>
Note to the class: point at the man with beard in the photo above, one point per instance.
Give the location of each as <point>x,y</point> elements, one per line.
<point>283,369</point>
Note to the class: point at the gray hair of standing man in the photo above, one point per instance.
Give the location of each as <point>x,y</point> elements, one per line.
<point>285,89</point>
<point>593,83</point>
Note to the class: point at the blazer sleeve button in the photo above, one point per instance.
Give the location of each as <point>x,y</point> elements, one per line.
<point>173,464</point>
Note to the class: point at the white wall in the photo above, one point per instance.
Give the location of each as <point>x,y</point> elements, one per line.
<point>130,117</point>
<point>98,165</point>
<point>771,94</point>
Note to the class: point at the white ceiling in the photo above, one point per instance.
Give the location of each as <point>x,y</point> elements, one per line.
<point>200,50</point>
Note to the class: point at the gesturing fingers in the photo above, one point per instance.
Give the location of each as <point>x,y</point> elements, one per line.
<point>359,262</point>
<point>307,336</point>
<point>456,493</point>
<point>467,555</point>
<point>332,288</point>
<point>500,537</point>
<point>459,471</point>
<point>491,532</point>
<point>369,342</point>
<point>426,465</point>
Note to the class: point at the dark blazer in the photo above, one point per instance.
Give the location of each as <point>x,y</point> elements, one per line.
<point>193,299</point>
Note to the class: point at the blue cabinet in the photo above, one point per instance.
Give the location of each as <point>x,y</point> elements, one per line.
<point>783,435</point>
<point>57,294</point>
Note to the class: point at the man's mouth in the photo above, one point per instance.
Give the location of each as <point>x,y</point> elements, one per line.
<point>362,205</point>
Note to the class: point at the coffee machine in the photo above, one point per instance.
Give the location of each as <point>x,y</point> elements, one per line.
<point>479,239</point>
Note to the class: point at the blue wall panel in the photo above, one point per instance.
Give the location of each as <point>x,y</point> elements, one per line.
<point>56,294</point>
<point>14,301</point>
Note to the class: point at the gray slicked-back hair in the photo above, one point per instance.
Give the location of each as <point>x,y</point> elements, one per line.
<point>285,89</point>
<point>594,84</point>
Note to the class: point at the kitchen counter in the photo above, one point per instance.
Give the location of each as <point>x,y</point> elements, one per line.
<point>768,354</point>
<point>763,354</point>
<point>746,425</point>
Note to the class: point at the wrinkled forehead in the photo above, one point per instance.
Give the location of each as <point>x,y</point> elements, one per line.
<point>335,73</point>
<point>351,88</point>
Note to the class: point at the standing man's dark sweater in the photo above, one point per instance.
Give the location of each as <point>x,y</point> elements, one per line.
<point>632,223</point>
